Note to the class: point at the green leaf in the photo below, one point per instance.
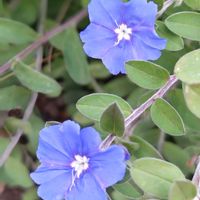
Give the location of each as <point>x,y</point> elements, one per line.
<point>36,81</point>
<point>167,118</point>
<point>192,98</point>
<point>93,105</point>
<point>182,190</point>
<point>128,190</point>
<point>155,176</point>
<point>176,99</point>
<point>146,74</point>
<point>185,24</point>
<point>18,173</point>
<point>176,155</point>
<point>13,97</point>
<point>15,32</point>
<point>187,68</point>
<point>174,42</point>
<point>145,149</point>
<point>194,4</point>
<point>75,59</point>
<point>112,120</point>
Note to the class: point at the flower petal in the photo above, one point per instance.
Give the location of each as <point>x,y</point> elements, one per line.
<point>56,188</point>
<point>109,166</point>
<point>144,52</point>
<point>99,12</point>
<point>150,37</point>
<point>45,174</point>
<point>140,13</point>
<point>96,32</point>
<point>91,140</point>
<point>64,137</point>
<point>116,57</point>
<point>86,188</point>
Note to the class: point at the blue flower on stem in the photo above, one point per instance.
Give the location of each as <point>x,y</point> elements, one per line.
<point>121,32</point>
<point>73,167</point>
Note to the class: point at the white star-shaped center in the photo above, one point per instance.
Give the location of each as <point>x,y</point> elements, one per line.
<point>123,32</point>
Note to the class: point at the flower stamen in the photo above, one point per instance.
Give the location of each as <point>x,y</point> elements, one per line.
<point>123,32</point>
<point>79,165</point>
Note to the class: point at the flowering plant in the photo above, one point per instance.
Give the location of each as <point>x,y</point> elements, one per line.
<point>121,81</point>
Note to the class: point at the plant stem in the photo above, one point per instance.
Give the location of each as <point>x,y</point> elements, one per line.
<point>31,104</point>
<point>43,39</point>
<point>142,108</point>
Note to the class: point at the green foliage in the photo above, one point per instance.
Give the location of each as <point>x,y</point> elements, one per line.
<point>155,176</point>
<point>93,106</point>
<point>185,24</point>
<point>182,190</point>
<point>112,120</point>
<point>146,74</point>
<point>36,81</point>
<point>167,118</point>
<point>72,85</point>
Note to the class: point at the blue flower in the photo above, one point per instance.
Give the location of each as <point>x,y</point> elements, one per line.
<point>122,31</point>
<point>73,167</point>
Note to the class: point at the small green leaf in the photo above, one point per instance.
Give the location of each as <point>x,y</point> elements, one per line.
<point>145,149</point>
<point>75,59</point>
<point>146,74</point>
<point>112,120</point>
<point>194,4</point>
<point>192,98</point>
<point>155,176</point>
<point>185,24</point>
<point>174,42</point>
<point>187,68</point>
<point>15,32</point>
<point>13,97</point>
<point>18,173</point>
<point>182,190</point>
<point>36,81</point>
<point>128,190</point>
<point>93,105</point>
<point>167,118</point>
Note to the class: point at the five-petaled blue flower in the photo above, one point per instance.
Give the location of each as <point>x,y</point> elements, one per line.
<point>73,167</point>
<point>122,31</point>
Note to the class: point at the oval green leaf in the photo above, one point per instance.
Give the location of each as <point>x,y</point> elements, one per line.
<point>174,42</point>
<point>146,74</point>
<point>167,118</point>
<point>182,190</point>
<point>145,149</point>
<point>93,105</point>
<point>194,4</point>
<point>112,120</point>
<point>187,69</point>
<point>185,24</point>
<point>155,176</point>
<point>36,81</point>
<point>15,32</point>
<point>75,59</point>
<point>192,98</point>
<point>13,97</point>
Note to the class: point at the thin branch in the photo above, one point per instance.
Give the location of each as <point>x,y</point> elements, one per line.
<point>31,104</point>
<point>159,94</point>
<point>43,39</point>
<point>166,5</point>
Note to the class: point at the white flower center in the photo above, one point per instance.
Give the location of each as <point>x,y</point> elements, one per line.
<point>80,164</point>
<point>123,32</point>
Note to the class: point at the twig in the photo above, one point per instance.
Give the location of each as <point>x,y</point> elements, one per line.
<point>159,94</point>
<point>166,5</point>
<point>43,39</point>
<point>31,104</point>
